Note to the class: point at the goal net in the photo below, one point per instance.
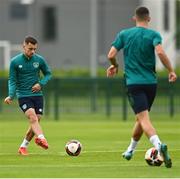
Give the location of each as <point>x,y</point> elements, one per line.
<point>7,50</point>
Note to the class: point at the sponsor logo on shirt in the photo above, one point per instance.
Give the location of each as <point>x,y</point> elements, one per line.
<point>35,64</point>
<point>20,66</point>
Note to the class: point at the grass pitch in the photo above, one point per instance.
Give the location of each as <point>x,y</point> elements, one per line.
<point>103,142</point>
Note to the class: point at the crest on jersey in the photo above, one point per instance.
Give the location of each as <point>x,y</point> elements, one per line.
<point>35,64</point>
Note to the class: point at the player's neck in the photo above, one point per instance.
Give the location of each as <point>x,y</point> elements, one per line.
<point>142,24</point>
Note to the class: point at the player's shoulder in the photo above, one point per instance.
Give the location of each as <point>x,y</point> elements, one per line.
<point>127,30</point>
<point>155,32</point>
<point>17,58</point>
<point>39,57</point>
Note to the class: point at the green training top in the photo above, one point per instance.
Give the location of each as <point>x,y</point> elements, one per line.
<point>138,45</point>
<point>25,72</point>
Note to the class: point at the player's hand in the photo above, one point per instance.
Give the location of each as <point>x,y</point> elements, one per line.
<point>112,71</point>
<point>8,100</point>
<point>172,77</point>
<point>36,88</point>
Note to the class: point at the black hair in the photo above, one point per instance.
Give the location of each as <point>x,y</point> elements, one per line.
<point>142,12</point>
<point>31,40</point>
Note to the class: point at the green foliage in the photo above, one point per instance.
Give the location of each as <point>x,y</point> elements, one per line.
<point>77,72</point>
<point>85,72</point>
<point>4,73</point>
<point>164,72</point>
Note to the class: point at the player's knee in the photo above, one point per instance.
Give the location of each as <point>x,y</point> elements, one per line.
<point>33,118</point>
<point>39,117</point>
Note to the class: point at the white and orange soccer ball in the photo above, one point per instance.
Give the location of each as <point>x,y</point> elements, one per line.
<point>73,147</point>
<point>153,160</point>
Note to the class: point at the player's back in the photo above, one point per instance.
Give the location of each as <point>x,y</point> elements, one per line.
<point>139,55</point>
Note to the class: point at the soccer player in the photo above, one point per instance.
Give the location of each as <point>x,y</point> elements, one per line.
<point>26,83</point>
<point>139,45</point>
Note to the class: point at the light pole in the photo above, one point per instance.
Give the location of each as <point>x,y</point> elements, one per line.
<point>93,39</point>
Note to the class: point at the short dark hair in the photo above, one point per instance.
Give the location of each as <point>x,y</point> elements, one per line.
<point>142,12</point>
<point>31,40</point>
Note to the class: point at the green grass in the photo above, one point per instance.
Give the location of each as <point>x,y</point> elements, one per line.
<point>103,142</point>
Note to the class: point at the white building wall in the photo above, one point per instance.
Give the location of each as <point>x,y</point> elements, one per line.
<point>156,8</point>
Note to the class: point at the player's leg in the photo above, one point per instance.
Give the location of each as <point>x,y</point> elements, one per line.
<point>147,126</point>
<point>150,132</point>
<point>137,131</point>
<point>136,135</point>
<point>154,139</point>
<point>144,102</point>
<point>141,103</point>
<point>28,107</point>
<point>141,98</point>
<point>24,104</point>
<point>29,136</point>
<point>133,97</point>
<point>38,106</point>
<point>33,120</point>
<point>36,128</point>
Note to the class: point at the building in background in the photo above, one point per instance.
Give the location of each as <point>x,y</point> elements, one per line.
<point>163,14</point>
<point>77,33</point>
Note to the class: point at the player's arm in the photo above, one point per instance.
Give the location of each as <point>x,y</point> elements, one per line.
<point>47,76</point>
<point>11,84</point>
<point>166,62</point>
<point>46,72</point>
<point>113,69</point>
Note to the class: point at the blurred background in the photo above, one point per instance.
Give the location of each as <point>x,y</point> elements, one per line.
<point>74,37</point>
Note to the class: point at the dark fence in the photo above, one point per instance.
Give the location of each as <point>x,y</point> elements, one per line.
<point>105,96</point>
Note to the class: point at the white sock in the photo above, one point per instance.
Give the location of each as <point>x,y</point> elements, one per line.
<point>155,141</point>
<point>132,145</point>
<point>24,143</point>
<point>41,136</point>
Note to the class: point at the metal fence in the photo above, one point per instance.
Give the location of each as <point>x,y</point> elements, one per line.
<point>96,96</point>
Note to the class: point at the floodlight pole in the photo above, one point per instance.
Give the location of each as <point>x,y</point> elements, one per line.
<point>93,38</point>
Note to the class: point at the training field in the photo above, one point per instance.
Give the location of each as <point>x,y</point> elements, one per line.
<point>103,142</point>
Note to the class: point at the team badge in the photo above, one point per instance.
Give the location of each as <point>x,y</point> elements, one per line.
<point>35,64</point>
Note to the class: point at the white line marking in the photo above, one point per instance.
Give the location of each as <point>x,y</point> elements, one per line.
<point>93,151</point>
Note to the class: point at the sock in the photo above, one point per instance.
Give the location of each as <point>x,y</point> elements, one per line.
<point>41,136</point>
<point>155,141</point>
<point>24,143</point>
<point>132,145</point>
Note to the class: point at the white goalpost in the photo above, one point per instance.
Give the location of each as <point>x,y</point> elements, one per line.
<point>6,50</point>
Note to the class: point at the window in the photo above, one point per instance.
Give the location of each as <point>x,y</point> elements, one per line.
<point>18,11</point>
<point>166,15</point>
<point>49,24</point>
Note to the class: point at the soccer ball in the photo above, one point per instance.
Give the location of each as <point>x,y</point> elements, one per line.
<point>151,160</point>
<point>73,147</point>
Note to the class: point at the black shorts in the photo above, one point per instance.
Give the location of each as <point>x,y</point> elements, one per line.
<point>141,97</point>
<point>35,102</point>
